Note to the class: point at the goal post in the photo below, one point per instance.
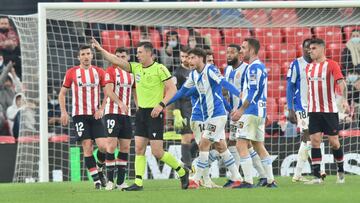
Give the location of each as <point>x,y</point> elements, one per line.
<point>55,19</point>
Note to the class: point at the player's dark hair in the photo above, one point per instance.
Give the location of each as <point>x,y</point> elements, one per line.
<point>84,46</point>
<point>209,52</point>
<point>184,49</point>
<point>121,50</point>
<point>198,52</point>
<point>237,47</point>
<point>317,41</point>
<point>254,43</point>
<point>306,41</point>
<point>147,45</point>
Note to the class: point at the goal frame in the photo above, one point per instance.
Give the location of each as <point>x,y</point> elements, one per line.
<point>43,7</point>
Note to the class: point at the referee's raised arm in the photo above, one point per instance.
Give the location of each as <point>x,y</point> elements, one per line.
<point>123,64</point>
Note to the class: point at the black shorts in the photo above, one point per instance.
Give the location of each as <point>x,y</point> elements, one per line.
<point>118,126</point>
<point>327,123</point>
<point>186,109</point>
<point>146,126</point>
<point>87,127</point>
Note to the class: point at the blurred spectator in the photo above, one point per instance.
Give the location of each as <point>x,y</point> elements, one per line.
<point>9,40</point>
<point>350,57</point>
<point>9,43</point>
<point>171,52</point>
<point>9,85</point>
<point>3,130</point>
<point>144,37</point>
<point>54,112</point>
<point>1,61</point>
<point>195,40</point>
<point>24,108</point>
<point>354,100</point>
<point>282,127</point>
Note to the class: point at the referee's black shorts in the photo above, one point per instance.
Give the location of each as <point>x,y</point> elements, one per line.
<point>327,123</point>
<point>148,127</point>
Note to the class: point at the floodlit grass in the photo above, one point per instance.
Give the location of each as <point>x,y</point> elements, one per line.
<point>169,191</point>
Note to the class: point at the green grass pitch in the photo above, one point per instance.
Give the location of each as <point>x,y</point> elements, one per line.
<point>169,191</point>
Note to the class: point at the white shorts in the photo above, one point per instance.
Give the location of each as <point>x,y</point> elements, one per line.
<point>302,120</point>
<point>197,127</point>
<point>234,125</point>
<point>251,128</point>
<point>215,128</point>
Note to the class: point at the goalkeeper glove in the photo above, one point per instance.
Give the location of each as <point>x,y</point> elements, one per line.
<point>178,119</point>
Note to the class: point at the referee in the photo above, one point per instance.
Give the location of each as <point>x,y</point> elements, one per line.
<point>152,80</point>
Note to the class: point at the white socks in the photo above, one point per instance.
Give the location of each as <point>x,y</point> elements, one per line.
<point>267,164</point>
<point>257,162</point>
<point>229,162</point>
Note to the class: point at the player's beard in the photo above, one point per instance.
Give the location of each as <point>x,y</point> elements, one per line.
<point>232,62</point>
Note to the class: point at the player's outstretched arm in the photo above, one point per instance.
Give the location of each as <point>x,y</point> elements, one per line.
<point>123,64</point>
<point>231,88</point>
<point>182,92</point>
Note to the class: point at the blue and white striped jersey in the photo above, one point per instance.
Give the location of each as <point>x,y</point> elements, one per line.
<point>196,113</point>
<point>297,77</point>
<point>208,86</point>
<point>236,77</point>
<point>255,89</point>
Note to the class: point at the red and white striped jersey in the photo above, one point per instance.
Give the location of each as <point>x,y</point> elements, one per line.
<point>123,82</point>
<point>85,85</point>
<point>321,78</point>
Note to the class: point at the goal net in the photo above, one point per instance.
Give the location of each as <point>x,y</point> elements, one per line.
<point>280,28</point>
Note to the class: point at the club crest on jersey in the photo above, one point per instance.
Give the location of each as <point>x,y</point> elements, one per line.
<point>107,76</point>
<point>110,130</point>
<point>79,133</point>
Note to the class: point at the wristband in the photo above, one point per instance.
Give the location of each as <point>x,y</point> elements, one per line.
<point>162,104</point>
